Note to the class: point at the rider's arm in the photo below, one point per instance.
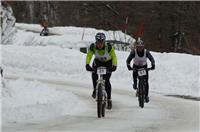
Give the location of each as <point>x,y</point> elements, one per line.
<point>150,57</point>
<point>90,54</point>
<point>130,57</point>
<point>113,56</point>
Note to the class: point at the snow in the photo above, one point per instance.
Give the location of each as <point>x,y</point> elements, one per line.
<point>71,37</point>
<point>50,58</point>
<point>24,101</point>
<point>7,24</point>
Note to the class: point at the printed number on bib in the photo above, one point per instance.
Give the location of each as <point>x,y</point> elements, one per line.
<point>142,72</point>
<point>101,70</point>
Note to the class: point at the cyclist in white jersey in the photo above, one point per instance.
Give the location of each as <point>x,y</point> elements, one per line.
<point>139,56</point>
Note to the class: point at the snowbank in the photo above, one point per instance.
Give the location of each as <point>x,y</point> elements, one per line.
<point>174,73</point>
<point>31,100</point>
<point>48,57</point>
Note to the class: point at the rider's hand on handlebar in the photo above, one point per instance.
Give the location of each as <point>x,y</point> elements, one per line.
<point>129,67</point>
<point>89,68</point>
<point>114,68</point>
<point>134,69</point>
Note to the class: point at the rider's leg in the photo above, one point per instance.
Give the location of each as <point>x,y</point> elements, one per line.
<point>108,85</point>
<point>95,64</point>
<point>147,85</point>
<point>108,89</point>
<point>94,80</point>
<point>135,74</point>
<point>147,88</point>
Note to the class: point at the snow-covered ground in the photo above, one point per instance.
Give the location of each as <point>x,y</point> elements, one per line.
<point>25,100</point>
<point>50,58</point>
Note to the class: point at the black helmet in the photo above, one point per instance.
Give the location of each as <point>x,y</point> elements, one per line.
<point>100,37</point>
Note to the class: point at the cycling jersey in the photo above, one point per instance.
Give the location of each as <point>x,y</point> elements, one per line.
<point>140,58</point>
<point>103,55</point>
<point>140,61</point>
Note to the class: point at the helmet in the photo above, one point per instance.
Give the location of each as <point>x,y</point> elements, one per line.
<point>139,42</point>
<point>100,37</point>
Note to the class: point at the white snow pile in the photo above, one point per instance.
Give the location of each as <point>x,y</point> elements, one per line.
<point>31,100</point>
<point>45,57</point>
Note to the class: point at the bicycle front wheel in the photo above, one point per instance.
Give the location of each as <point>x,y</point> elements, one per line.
<point>141,94</point>
<point>99,102</point>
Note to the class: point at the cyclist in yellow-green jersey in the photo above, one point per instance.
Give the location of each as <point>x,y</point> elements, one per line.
<point>104,55</point>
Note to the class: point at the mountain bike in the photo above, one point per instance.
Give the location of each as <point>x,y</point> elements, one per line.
<point>141,90</point>
<point>101,92</point>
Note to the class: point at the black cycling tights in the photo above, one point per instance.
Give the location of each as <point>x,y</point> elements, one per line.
<point>107,82</point>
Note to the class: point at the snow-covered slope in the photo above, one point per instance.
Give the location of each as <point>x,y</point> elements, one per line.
<point>71,37</point>
<point>172,74</point>
<point>175,73</point>
<point>48,57</point>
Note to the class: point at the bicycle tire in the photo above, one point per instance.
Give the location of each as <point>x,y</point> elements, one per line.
<point>141,93</point>
<point>99,101</point>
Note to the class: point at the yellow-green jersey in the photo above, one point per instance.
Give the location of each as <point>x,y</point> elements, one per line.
<point>103,55</point>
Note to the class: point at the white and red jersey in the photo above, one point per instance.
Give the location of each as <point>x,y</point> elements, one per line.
<point>140,61</point>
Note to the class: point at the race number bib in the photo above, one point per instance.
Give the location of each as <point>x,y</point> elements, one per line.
<point>101,70</point>
<point>142,72</point>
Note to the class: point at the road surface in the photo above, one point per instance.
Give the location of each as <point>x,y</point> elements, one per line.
<point>161,114</point>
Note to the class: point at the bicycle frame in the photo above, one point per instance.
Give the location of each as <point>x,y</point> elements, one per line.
<point>101,92</point>
<point>101,85</point>
<point>142,72</point>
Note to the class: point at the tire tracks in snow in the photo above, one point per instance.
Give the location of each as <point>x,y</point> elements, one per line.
<point>161,114</point>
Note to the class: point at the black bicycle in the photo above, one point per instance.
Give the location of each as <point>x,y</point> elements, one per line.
<point>141,90</point>
<point>101,92</point>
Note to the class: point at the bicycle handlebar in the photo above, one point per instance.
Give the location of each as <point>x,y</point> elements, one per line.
<point>107,71</point>
<point>148,69</point>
